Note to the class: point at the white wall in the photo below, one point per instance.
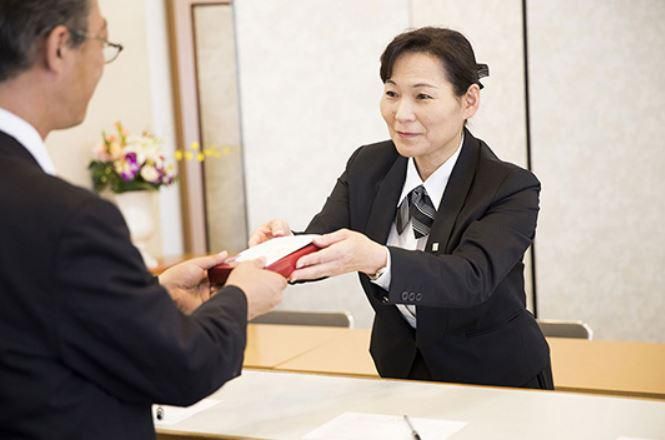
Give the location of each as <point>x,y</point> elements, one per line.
<point>598,127</point>
<point>310,90</point>
<point>163,123</point>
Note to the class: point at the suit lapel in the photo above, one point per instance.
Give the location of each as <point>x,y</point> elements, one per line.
<point>455,194</point>
<point>382,215</point>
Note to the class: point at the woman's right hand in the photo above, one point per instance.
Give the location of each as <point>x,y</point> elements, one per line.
<point>274,228</point>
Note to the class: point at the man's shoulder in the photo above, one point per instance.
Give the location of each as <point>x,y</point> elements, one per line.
<point>35,191</point>
<point>67,195</point>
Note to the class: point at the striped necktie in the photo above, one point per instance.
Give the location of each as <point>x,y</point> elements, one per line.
<point>418,208</point>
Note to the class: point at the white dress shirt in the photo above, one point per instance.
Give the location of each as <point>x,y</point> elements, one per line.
<point>27,136</point>
<point>435,185</point>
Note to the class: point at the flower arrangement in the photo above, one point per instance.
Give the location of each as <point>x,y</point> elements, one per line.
<point>126,162</point>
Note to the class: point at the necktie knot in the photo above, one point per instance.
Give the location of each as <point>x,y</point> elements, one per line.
<point>417,208</point>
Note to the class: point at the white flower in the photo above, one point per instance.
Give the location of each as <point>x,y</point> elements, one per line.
<point>150,174</point>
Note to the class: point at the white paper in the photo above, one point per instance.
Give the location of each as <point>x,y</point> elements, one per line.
<point>275,249</point>
<point>632,438</point>
<point>175,414</point>
<point>352,425</point>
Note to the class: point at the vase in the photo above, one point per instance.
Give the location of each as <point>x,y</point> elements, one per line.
<point>137,207</point>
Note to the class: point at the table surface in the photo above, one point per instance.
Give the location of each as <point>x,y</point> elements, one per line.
<point>271,345</point>
<point>282,405</point>
<point>622,368</point>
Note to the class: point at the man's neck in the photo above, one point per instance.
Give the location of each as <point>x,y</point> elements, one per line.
<point>22,97</point>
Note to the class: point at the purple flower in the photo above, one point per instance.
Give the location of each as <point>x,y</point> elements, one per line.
<point>130,157</point>
<point>127,175</point>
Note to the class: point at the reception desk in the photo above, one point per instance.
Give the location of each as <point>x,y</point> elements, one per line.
<point>282,405</point>
<point>606,367</point>
<point>303,377</point>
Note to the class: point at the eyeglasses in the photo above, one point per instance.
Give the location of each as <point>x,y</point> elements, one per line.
<point>111,50</point>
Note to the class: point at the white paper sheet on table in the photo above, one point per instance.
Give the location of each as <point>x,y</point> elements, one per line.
<point>352,425</point>
<point>632,438</point>
<point>174,414</point>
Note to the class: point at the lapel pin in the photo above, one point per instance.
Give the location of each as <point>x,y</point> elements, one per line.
<point>435,247</point>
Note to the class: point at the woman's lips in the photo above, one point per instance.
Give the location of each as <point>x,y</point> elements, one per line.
<point>407,135</point>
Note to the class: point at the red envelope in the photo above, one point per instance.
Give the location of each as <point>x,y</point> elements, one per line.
<point>284,266</point>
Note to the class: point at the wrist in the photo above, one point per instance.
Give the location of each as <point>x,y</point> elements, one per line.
<point>379,262</point>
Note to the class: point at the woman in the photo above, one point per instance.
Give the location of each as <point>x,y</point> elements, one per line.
<point>437,227</point>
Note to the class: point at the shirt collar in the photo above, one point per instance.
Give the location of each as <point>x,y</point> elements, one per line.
<point>27,136</point>
<point>436,183</point>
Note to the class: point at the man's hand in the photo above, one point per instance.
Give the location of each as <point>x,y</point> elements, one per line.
<point>263,288</point>
<point>343,251</point>
<point>187,282</point>
<point>274,228</point>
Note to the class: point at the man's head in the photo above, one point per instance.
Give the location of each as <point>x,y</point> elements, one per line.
<point>51,59</point>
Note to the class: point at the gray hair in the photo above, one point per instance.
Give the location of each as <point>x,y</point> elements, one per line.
<point>25,23</point>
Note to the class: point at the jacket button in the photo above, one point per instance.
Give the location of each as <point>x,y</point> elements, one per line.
<point>412,296</point>
<point>405,295</point>
<point>419,297</point>
<point>385,299</point>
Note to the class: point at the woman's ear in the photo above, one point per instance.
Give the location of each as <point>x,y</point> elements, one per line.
<point>471,101</point>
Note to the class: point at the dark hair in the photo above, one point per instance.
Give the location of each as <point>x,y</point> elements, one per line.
<point>25,23</point>
<point>449,46</point>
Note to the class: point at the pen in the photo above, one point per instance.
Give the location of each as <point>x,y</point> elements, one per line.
<point>160,412</point>
<point>414,433</point>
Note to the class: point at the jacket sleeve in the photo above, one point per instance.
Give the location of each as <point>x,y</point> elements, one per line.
<point>119,329</point>
<point>489,248</point>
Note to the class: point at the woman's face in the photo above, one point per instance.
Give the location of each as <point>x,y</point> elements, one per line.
<point>424,117</point>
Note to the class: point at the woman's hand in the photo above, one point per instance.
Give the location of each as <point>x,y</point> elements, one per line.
<point>343,251</point>
<point>187,282</point>
<point>274,228</point>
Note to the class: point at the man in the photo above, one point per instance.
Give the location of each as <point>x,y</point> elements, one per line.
<point>89,338</point>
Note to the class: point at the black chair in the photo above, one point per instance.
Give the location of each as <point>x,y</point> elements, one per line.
<point>294,317</point>
<point>565,329</point>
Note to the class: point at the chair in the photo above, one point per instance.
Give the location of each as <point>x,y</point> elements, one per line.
<point>565,329</point>
<point>294,317</point>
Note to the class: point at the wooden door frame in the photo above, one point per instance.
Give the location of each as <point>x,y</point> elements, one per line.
<point>187,118</point>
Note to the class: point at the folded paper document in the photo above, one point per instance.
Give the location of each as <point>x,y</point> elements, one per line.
<point>280,254</point>
<point>353,425</point>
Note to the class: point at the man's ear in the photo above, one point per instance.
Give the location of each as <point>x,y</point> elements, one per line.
<point>56,48</point>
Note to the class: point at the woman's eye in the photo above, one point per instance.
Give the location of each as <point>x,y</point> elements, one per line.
<point>423,96</point>
<point>390,93</point>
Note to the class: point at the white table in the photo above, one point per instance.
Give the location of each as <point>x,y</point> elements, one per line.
<point>280,405</point>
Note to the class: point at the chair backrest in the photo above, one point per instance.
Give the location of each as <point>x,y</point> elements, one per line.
<point>565,329</point>
<point>293,317</point>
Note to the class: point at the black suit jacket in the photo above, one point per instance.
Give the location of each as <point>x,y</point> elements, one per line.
<point>473,325</point>
<point>89,339</point>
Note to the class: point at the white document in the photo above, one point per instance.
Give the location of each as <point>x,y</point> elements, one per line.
<point>632,438</point>
<point>175,414</point>
<point>275,249</point>
<point>352,426</point>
